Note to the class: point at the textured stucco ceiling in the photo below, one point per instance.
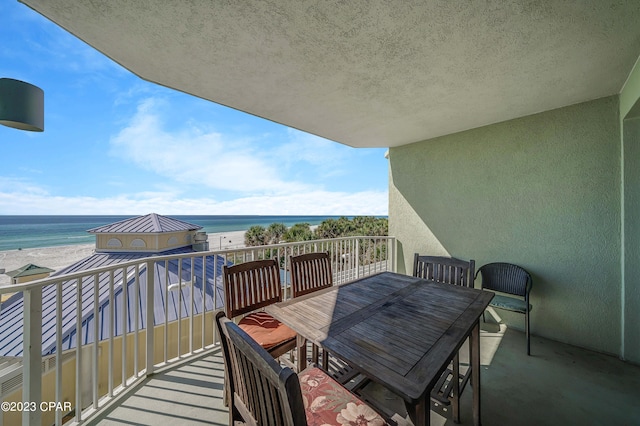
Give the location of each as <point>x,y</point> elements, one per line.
<point>369,73</point>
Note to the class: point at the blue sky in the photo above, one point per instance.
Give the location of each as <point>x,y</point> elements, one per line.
<point>116,144</point>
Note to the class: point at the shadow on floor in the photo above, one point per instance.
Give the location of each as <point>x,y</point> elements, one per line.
<point>557,385</point>
<point>188,394</point>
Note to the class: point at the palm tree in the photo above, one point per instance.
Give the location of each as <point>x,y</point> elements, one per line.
<point>254,236</point>
<point>346,227</point>
<point>275,233</point>
<point>328,228</point>
<point>374,226</point>
<point>299,232</point>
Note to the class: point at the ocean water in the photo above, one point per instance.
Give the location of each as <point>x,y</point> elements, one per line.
<point>18,232</point>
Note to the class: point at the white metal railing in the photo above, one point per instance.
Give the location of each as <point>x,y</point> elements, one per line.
<point>179,294</point>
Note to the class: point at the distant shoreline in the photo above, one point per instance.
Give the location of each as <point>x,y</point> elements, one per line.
<point>43,231</point>
<point>58,257</point>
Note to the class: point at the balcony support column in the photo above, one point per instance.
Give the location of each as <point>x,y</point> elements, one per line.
<point>32,353</point>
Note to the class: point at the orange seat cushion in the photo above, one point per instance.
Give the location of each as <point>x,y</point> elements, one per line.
<point>266,330</point>
<point>327,403</point>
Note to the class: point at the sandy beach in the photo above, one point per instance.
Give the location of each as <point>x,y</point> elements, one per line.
<point>61,256</point>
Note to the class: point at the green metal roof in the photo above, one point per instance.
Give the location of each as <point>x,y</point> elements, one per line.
<point>27,270</point>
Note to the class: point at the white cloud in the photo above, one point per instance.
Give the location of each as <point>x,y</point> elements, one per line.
<point>31,200</point>
<point>310,203</point>
<point>253,171</point>
<point>194,156</point>
<point>19,186</point>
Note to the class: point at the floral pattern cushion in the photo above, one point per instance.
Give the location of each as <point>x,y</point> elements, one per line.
<point>327,403</point>
<point>265,329</point>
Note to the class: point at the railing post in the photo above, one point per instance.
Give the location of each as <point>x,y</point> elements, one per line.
<point>394,258</point>
<point>288,292</point>
<point>391,251</point>
<point>357,258</point>
<point>32,353</point>
<point>151,284</point>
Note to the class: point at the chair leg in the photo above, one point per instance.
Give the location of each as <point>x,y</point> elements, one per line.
<point>528,332</point>
<point>302,353</point>
<point>325,360</point>
<point>455,400</point>
<point>225,391</point>
<point>470,358</point>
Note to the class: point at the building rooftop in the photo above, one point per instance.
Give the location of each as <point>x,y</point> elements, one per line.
<point>28,270</point>
<point>166,273</point>
<point>169,275</point>
<point>148,224</point>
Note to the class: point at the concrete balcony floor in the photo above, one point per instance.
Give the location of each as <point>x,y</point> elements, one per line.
<point>558,384</point>
<point>189,393</point>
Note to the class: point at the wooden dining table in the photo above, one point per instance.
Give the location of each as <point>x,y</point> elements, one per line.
<point>397,330</point>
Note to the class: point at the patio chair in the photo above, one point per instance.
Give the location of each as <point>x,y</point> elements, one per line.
<point>311,272</point>
<point>249,287</point>
<point>448,270</point>
<point>510,279</point>
<point>263,392</point>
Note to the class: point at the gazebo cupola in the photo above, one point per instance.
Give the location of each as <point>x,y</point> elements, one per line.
<point>152,233</point>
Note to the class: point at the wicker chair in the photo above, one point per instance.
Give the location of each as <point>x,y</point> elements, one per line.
<point>249,287</point>
<point>448,270</point>
<point>510,279</point>
<point>262,392</point>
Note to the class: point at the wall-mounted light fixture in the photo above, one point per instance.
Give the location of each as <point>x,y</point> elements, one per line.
<point>21,105</point>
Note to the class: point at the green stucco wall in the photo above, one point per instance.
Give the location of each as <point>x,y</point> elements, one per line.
<point>631,282</point>
<point>630,120</point>
<point>631,93</point>
<point>541,191</point>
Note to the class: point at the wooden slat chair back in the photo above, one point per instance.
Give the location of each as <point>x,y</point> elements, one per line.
<point>447,270</point>
<point>510,279</point>
<point>250,286</point>
<point>262,392</point>
<point>310,272</point>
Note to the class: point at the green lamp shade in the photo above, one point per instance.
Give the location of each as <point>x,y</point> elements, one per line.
<point>21,105</point>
